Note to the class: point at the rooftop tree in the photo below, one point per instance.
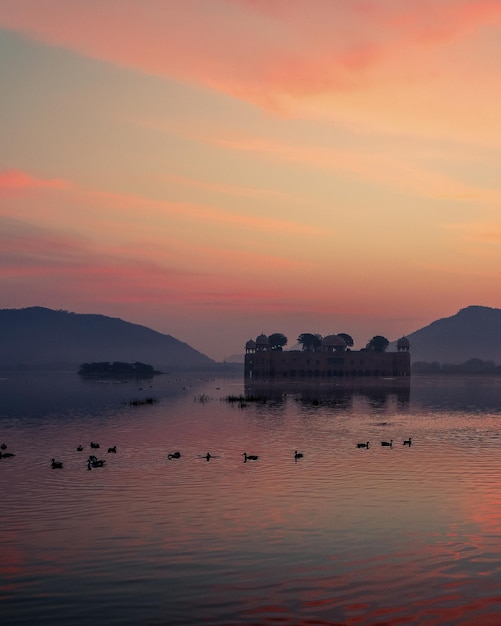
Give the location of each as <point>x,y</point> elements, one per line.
<point>378,344</point>
<point>310,341</point>
<point>277,341</point>
<point>348,339</point>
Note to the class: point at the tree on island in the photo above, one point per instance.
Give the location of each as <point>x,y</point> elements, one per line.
<point>277,341</point>
<point>310,341</point>
<point>378,344</point>
<point>115,368</point>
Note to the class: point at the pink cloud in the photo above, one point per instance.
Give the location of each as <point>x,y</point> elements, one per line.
<point>49,265</point>
<point>13,182</point>
<point>427,21</point>
<point>255,50</point>
<point>433,22</point>
<point>66,263</point>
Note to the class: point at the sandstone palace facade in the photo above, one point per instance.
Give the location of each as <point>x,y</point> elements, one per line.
<point>330,360</point>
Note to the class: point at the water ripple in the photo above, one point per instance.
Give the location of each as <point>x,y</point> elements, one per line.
<point>341,536</point>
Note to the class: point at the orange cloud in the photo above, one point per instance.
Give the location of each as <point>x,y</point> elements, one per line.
<point>387,169</point>
<point>483,232</point>
<point>210,213</point>
<point>233,190</point>
<point>401,165</point>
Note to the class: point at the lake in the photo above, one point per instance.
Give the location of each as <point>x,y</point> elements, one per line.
<point>345,535</point>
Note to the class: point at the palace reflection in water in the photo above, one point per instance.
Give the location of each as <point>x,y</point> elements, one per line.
<point>377,392</point>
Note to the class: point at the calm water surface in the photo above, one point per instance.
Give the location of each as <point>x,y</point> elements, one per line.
<point>385,535</point>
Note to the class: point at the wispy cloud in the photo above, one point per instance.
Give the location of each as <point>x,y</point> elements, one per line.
<point>65,263</point>
<point>388,168</point>
<point>210,213</point>
<point>487,232</point>
<point>14,182</point>
<point>59,264</point>
<point>412,166</point>
<point>308,57</point>
<point>233,190</point>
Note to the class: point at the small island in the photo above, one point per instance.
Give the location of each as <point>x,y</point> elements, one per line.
<point>116,369</point>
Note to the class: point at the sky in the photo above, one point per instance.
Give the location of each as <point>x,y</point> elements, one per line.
<point>214,169</point>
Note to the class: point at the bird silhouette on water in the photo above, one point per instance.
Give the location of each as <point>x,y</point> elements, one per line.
<point>174,455</point>
<point>56,464</point>
<point>408,442</point>
<point>93,461</point>
<point>363,445</point>
<point>388,444</point>
<point>250,457</point>
<point>298,455</point>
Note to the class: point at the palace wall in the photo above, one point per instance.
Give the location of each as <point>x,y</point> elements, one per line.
<point>307,365</point>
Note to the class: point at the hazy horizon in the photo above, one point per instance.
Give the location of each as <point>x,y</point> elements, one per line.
<point>217,170</point>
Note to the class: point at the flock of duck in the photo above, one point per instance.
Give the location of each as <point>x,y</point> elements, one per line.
<point>93,461</point>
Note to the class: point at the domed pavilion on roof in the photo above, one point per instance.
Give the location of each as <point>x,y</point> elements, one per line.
<point>262,343</point>
<point>403,344</point>
<point>250,346</point>
<point>333,343</point>
<point>332,360</point>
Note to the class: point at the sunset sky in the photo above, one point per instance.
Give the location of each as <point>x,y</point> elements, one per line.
<point>213,169</point>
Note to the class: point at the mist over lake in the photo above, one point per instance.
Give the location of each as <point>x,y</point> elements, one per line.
<point>344,535</point>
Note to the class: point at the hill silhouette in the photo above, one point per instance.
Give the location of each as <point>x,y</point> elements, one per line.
<point>473,332</point>
<point>42,338</point>
<point>38,337</point>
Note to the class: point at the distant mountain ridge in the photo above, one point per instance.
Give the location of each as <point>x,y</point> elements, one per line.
<point>473,332</point>
<point>38,337</point>
<point>43,338</point>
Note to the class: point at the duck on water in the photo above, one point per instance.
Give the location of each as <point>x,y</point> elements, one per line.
<point>250,457</point>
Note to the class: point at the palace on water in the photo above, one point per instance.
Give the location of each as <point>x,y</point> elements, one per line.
<point>331,359</point>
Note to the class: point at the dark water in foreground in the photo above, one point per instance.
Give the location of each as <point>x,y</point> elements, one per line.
<point>388,535</point>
